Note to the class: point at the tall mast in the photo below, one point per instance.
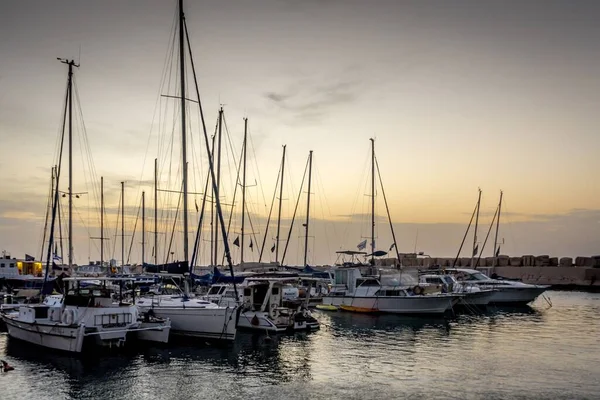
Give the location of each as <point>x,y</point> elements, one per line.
<point>122,223</point>
<point>497,227</point>
<point>307,208</point>
<point>475,234</point>
<point>101,220</point>
<point>372,200</point>
<point>244,188</point>
<point>280,199</point>
<point>183,134</point>
<point>156,211</point>
<point>71,64</point>
<point>143,228</point>
<point>218,183</point>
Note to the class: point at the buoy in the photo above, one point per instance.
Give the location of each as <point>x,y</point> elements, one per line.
<point>6,367</point>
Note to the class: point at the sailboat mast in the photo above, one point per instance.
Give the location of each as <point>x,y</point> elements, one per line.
<point>101,220</point>
<point>156,211</point>
<point>497,227</point>
<point>143,228</point>
<point>244,188</point>
<point>122,223</point>
<point>183,133</point>
<point>218,183</point>
<point>475,234</point>
<point>71,63</point>
<point>372,200</point>
<point>280,199</point>
<point>307,208</point>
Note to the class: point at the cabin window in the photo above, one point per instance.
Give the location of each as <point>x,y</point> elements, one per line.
<point>214,290</point>
<point>432,280</point>
<point>12,265</point>
<point>275,290</point>
<point>247,292</point>
<point>2,265</point>
<point>367,282</point>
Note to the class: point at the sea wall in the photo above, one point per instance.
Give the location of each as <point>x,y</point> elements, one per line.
<point>543,269</point>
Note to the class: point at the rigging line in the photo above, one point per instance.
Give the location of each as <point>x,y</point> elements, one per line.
<point>87,228</point>
<point>257,170</point>
<point>237,179</point>
<point>232,153</point>
<point>486,238</point>
<point>48,211</point>
<point>387,210</point>
<point>287,242</point>
<point>252,228</point>
<point>86,145</point>
<point>351,221</point>
<point>174,225</point>
<point>56,203</point>
<point>211,167</point>
<point>134,230</point>
<point>464,237</point>
<point>116,228</point>
<point>262,247</point>
<point>200,219</point>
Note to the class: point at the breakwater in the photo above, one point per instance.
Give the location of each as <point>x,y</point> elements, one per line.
<point>566,272</point>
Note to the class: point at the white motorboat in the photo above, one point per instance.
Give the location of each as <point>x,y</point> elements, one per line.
<point>506,292</point>
<point>268,304</point>
<point>473,295</point>
<point>354,292</point>
<point>63,323</point>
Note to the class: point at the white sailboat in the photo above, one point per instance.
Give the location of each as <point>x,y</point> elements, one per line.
<point>192,316</point>
<point>354,292</point>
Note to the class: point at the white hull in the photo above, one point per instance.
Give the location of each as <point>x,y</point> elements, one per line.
<point>65,338</point>
<point>262,322</point>
<point>477,299</point>
<point>211,323</point>
<point>516,295</point>
<point>397,305</point>
<point>157,332</point>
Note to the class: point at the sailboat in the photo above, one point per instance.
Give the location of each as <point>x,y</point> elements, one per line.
<point>191,316</point>
<point>85,312</point>
<point>371,294</point>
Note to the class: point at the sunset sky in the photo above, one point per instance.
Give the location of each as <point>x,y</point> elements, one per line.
<point>459,95</point>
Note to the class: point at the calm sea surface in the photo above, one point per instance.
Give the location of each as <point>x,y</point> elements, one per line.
<point>540,352</point>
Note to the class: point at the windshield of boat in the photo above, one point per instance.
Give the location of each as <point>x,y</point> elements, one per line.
<point>477,276</point>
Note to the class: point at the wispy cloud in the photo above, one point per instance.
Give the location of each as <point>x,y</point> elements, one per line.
<point>309,102</point>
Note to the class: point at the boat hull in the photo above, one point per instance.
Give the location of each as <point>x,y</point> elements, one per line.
<point>262,322</point>
<point>53,336</point>
<point>516,295</point>
<point>154,331</point>
<point>476,299</point>
<point>395,305</point>
<point>208,323</point>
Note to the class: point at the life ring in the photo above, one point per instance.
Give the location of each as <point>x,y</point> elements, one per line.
<point>418,290</point>
<point>67,317</point>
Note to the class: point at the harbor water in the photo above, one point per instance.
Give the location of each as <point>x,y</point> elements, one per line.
<point>550,350</point>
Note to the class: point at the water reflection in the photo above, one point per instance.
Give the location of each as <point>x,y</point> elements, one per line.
<point>519,352</point>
